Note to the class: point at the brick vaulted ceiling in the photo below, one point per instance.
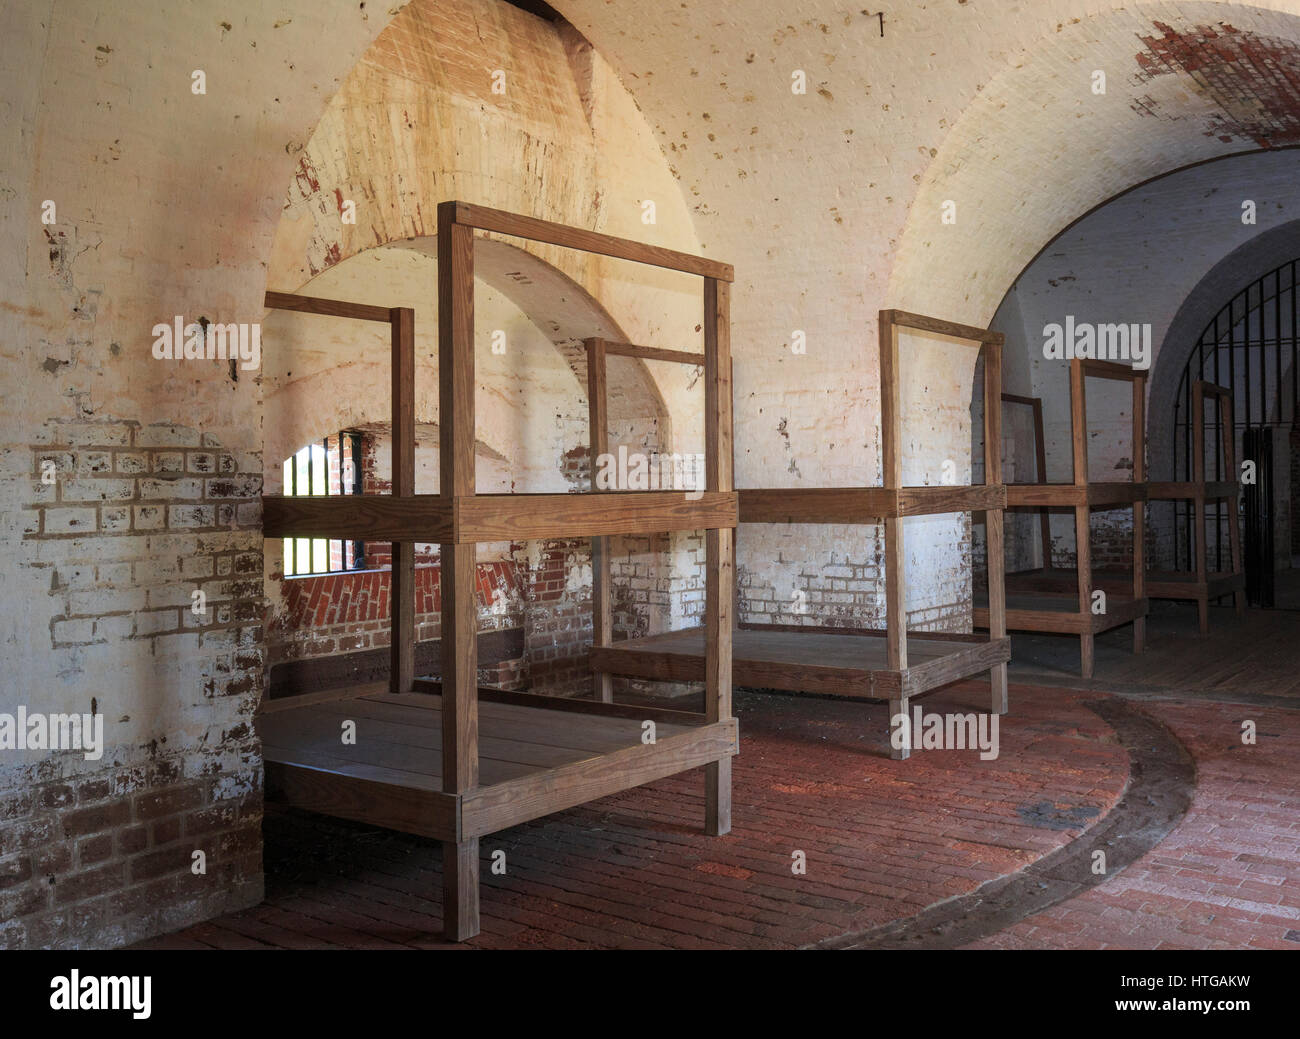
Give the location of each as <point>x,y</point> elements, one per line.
<point>970,99</point>
<point>829,202</point>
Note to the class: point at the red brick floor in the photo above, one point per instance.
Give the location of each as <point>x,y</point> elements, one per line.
<point>882,839</point>
<point>1228,876</point>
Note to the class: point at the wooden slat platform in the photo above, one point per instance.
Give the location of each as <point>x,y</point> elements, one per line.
<point>838,664</point>
<point>1180,584</point>
<point>1187,585</point>
<point>1046,587</point>
<point>532,760</point>
<point>1048,601</point>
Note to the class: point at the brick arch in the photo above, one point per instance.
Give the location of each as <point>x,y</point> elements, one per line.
<point>1225,279</point>
<point>415,122</point>
<point>535,625</point>
<point>1176,75</point>
<point>558,307</point>
<point>568,314</point>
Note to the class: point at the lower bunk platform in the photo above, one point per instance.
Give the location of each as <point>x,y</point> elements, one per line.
<point>1187,585</point>
<point>830,661</point>
<point>1047,600</point>
<point>536,755</point>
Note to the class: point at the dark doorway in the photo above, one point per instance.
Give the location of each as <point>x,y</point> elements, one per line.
<point>1257,443</point>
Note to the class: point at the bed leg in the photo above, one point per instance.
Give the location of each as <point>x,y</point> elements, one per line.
<point>1203,614</point>
<point>998,687</point>
<point>1085,654</point>
<point>897,707</point>
<point>717,797</point>
<point>1139,634</point>
<point>460,890</point>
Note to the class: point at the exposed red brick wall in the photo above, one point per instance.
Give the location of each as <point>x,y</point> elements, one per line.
<point>113,853</point>
<point>1245,73</point>
<point>345,612</point>
<point>546,592</point>
<point>1111,541</point>
<point>131,521</point>
<point>558,625</point>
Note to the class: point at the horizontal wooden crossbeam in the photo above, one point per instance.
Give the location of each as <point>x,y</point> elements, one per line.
<point>651,353</point>
<point>471,519</point>
<point>360,517</point>
<point>826,661</point>
<point>488,809</point>
<point>1075,494</point>
<point>484,219</point>
<point>816,504</point>
<point>933,501</point>
<point>1172,490</point>
<point>1095,369</point>
<point>327,307</point>
<point>864,504</point>
<point>506,517</point>
<point>924,323</point>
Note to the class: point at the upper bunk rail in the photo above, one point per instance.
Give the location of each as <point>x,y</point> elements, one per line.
<point>648,353</point>
<point>925,323</point>
<point>482,218</point>
<point>327,307</point>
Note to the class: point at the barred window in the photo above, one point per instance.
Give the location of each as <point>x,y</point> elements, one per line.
<point>332,466</point>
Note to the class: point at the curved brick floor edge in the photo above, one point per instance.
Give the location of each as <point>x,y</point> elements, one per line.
<point>1162,779</point>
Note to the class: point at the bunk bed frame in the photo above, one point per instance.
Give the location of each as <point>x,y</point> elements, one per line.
<point>1203,584</point>
<point>466,761</point>
<point>1059,600</point>
<point>893,664</point>
<point>1035,404</point>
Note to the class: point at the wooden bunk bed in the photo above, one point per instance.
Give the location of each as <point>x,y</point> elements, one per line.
<point>1202,584</point>
<point>1035,404</point>
<point>892,665</point>
<point>466,762</point>
<point>1057,599</point>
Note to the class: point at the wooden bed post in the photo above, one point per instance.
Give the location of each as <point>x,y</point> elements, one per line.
<point>1040,463</point>
<point>735,534</point>
<point>1035,404</point>
<point>602,683</point>
<point>993,517</point>
<point>1082,528</point>
<point>719,584</point>
<point>460,865</point>
<point>891,431</point>
<point>402,604</point>
<point>1140,507</point>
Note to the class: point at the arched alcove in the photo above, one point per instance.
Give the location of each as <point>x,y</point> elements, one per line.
<point>1164,254</point>
<point>323,374</point>
<point>1243,265</point>
<point>411,126</point>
